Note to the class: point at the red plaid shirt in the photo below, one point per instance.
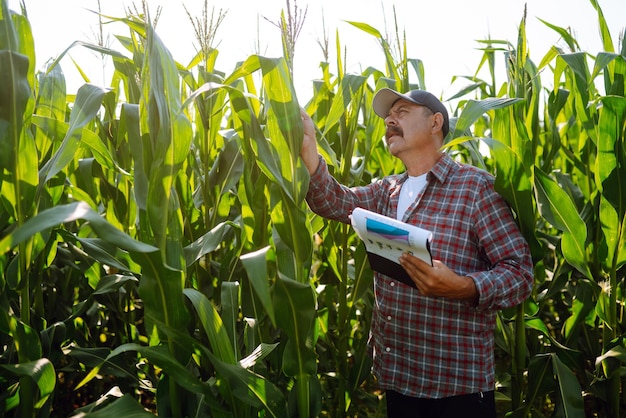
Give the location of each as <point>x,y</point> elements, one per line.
<point>434,347</point>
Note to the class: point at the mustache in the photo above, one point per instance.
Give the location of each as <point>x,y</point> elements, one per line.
<point>393,130</point>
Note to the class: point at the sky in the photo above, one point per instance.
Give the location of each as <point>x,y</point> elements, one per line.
<point>442,33</point>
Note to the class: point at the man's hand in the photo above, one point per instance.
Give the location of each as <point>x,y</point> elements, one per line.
<point>308,153</point>
<point>439,280</point>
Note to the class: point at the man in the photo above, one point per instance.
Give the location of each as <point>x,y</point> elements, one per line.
<point>433,345</point>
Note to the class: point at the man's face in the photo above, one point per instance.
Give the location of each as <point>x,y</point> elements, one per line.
<point>409,128</point>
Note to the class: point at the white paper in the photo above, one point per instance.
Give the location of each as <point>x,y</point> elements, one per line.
<point>389,238</point>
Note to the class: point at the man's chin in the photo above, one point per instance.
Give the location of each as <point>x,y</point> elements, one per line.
<point>392,149</point>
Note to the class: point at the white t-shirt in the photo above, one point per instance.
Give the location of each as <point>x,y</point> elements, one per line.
<point>409,192</point>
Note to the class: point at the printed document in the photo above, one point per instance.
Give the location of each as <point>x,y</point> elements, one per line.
<point>386,239</point>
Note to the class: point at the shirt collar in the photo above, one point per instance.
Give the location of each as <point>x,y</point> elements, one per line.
<point>443,168</point>
<point>440,171</point>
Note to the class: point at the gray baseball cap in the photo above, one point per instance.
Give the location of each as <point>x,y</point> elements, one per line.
<point>385,98</point>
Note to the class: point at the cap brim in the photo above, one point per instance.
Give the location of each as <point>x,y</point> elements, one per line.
<point>384,99</point>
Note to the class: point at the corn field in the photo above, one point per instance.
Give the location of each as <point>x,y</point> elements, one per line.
<point>157,256</point>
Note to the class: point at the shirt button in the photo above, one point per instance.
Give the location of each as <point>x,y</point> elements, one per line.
<point>393,284</point>
<point>387,349</point>
<point>388,317</point>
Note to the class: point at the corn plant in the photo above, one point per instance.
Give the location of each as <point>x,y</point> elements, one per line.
<point>157,255</point>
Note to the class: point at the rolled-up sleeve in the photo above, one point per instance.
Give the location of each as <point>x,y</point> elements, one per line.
<point>332,200</point>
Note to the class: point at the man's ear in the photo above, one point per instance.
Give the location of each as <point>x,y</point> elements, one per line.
<point>437,122</point>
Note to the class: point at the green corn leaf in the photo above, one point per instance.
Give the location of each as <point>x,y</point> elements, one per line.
<point>278,157</point>
<point>610,173</point>
<point>161,289</point>
<point>581,307</point>
<point>605,310</point>
<point>87,104</point>
<point>284,125</point>
<point>602,62</point>
<point>569,400</point>
<point>26,338</point>
<point>252,389</point>
<point>363,275</point>
<point>68,213</point>
<point>41,371</point>
<point>229,298</point>
<point>259,353</point>
<point>556,207</point>
<point>418,67</point>
<point>18,154</point>
<point>255,264</point>
<point>344,97</point>
<point>617,352</point>
<point>540,380</point>
<point>552,53</point>
<point>52,97</point>
<point>163,358</point>
<point>96,48</point>
<point>475,109</point>
<point>8,35</point>
<point>288,175</point>
<point>254,206</point>
<point>26,43</point>
<point>294,305</point>
<point>95,358</point>
<point>169,127</point>
<point>578,64</point>
<point>361,367</point>
<point>605,33</point>
<point>51,104</point>
<point>392,71</point>
<point>547,373</point>
<point>291,223</point>
<point>166,138</point>
<point>339,60</point>
<point>538,325</point>
<point>14,95</point>
<point>102,251</point>
<point>565,35</point>
<point>126,407</point>
<point>89,140</point>
<point>248,387</point>
<point>141,154</point>
<point>513,183</point>
<point>227,168</point>
<point>212,325</point>
<point>367,29</point>
<point>112,283</point>
<point>207,243</point>
<point>251,131</point>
